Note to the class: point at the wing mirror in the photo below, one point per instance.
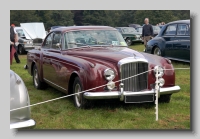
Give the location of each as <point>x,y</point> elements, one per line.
<point>58,45</point>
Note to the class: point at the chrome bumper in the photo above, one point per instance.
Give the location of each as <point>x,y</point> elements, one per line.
<point>121,94</point>
<point>23,124</point>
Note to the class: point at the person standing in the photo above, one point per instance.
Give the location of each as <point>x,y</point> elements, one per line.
<point>147,32</point>
<point>13,41</point>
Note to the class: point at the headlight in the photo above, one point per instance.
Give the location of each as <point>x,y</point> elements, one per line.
<point>109,74</point>
<point>110,85</point>
<point>160,71</point>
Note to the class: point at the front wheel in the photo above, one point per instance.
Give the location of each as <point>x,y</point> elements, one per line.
<point>36,81</point>
<point>79,100</point>
<point>157,51</point>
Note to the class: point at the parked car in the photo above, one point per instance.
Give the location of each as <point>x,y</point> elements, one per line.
<point>19,97</point>
<point>93,58</point>
<point>134,25</point>
<point>156,30</point>
<point>172,42</point>
<point>25,42</point>
<point>130,35</point>
<point>30,35</point>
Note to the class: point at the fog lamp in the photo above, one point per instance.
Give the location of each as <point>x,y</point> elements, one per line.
<point>161,81</point>
<point>110,85</point>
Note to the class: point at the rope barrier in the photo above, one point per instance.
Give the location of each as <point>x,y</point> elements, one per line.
<point>87,90</point>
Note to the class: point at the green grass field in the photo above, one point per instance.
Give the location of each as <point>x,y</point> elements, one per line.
<point>61,114</point>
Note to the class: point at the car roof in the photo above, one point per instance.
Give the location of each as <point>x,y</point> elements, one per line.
<point>68,28</point>
<point>180,21</point>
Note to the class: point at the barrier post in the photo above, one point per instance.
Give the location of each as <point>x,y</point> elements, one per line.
<point>156,94</point>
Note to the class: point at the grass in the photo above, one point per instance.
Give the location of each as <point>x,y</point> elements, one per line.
<point>61,114</point>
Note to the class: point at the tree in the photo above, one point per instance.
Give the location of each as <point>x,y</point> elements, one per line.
<point>58,18</point>
<point>23,16</point>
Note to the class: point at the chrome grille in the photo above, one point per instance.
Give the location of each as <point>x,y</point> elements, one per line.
<point>136,83</point>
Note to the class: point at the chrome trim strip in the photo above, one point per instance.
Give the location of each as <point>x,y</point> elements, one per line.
<point>54,84</point>
<point>23,124</point>
<point>131,60</point>
<point>119,94</point>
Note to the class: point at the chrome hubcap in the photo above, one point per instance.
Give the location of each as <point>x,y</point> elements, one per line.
<point>78,95</point>
<point>35,77</point>
<point>157,52</point>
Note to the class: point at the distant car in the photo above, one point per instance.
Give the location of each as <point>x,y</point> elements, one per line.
<point>134,25</point>
<point>130,35</point>
<point>172,42</point>
<point>25,43</point>
<point>30,35</point>
<point>156,30</point>
<point>19,97</point>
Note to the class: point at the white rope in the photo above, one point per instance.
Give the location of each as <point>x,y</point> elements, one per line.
<point>85,90</point>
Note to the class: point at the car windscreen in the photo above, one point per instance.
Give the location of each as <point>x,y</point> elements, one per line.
<point>81,38</point>
<point>20,32</point>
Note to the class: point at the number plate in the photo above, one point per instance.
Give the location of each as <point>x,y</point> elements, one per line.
<point>139,98</point>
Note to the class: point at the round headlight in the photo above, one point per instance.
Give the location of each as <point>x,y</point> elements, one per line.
<point>160,71</point>
<point>109,74</point>
<point>110,85</point>
<point>161,81</point>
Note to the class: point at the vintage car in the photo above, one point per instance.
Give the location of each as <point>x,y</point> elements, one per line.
<point>30,35</point>
<point>19,97</point>
<point>130,35</point>
<point>173,41</point>
<point>25,43</point>
<point>97,61</point>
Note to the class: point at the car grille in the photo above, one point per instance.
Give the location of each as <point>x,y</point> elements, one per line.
<point>136,83</point>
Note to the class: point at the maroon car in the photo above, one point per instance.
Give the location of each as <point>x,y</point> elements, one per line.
<point>97,61</point>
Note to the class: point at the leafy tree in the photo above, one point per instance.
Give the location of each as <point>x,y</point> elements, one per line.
<point>23,16</point>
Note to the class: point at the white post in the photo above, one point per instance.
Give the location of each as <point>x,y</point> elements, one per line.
<point>156,94</point>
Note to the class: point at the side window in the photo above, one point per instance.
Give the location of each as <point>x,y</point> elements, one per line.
<point>48,42</point>
<point>171,30</point>
<point>183,29</point>
<point>56,39</point>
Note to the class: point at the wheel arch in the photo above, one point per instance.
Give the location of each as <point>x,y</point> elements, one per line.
<point>71,82</point>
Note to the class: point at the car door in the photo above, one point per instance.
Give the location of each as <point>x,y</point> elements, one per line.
<point>169,38</point>
<point>47,72</point>
<point>54,55</point>
<point>182,43</point>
